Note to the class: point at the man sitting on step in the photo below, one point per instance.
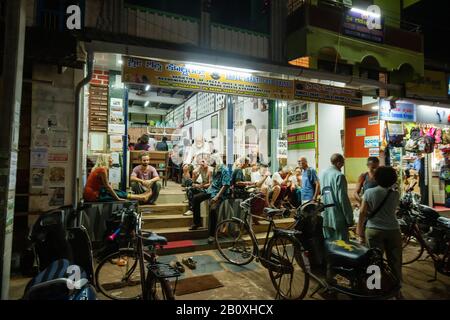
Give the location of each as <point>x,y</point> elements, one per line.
<point>217,192</point>
<point>204,174</point>
<point>145,177</point>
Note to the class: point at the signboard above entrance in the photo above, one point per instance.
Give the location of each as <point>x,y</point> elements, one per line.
<point>327,94</point>
<point>202,78</point>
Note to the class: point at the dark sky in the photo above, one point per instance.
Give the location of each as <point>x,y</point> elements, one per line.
<point>434,17</point>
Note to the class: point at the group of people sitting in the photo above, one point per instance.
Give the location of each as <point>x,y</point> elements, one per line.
<point>145,182</point>
<point>148,143</point>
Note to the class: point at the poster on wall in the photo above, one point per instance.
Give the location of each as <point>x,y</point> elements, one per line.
<point>398,111</point>
<point>37,177</point>
<point>116,111</point>
<point>282,149</point>
<point>97,141</point>
<point>116,128</point>
<point>115,143</point>
<point>205,104</point>
<point>190,110</point>
<point>39,158</point>
<point>41,139</point>
<point>360,132</point>
<point>200,78</point>
<point>57,176</point>
<point>56,196</point>
<point>297,112</point>
<point>220,101</point>
<point>58,157</point>
<point>114,175</point>
<point>178,116</point>
<point>371,142</point>
<point>302,138</point>
<point>60,140</point>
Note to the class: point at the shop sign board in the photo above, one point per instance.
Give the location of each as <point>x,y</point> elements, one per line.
<point>402,111</point>
<point>371,142</point>
<point>356,25</point>
<point>433,85</point>
<point>433,115</point>
<point>302,138</point>
<point>207,79</point>
<point>327,94</point>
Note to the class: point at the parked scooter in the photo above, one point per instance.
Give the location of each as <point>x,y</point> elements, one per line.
<point>64,259</point>
<point>340,266</point>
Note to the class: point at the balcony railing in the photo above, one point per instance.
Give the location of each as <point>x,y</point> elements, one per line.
<point>331,18</point>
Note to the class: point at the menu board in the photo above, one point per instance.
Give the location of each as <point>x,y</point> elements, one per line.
<point>98,108</point>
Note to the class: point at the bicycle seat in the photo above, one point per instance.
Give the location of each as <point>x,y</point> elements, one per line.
<point>154,239</point>
<point>272,211</point>
<point>347,254</point>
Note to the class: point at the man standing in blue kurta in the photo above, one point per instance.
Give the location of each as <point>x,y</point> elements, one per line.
<point>337,219</point>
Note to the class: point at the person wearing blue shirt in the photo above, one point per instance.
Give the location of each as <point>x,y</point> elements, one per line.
<point>217,192</point>
<point>310,181</point>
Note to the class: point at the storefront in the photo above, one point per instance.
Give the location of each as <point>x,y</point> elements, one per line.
<point>234,112</point>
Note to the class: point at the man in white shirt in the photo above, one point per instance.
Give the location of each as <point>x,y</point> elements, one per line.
<point>199,150</point>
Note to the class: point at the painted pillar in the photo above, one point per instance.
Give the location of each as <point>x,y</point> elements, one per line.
<point>230,131</point>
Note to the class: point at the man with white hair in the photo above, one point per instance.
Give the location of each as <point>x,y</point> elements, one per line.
<point>217,192</point>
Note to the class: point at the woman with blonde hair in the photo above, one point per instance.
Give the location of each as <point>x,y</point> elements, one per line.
<point>98,187</point>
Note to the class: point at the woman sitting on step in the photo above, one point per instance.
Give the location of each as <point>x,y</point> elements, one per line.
<point>98,187</point>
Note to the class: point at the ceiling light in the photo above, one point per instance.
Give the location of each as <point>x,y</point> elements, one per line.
<point>120,62</point>
<point>146,103</point>
<point>147,87</point>
<point>375,108</point>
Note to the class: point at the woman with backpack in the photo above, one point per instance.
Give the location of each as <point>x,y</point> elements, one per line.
<point>367,180</point>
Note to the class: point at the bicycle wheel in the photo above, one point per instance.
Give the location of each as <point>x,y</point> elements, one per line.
<point>118,276</point>
<point>289,277</point>
<point>234,241</point>
<point>412,249</point>
<point>159,289</point>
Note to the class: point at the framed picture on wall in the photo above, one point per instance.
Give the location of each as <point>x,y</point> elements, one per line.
<point>297,113</point>
<point>214,125</point>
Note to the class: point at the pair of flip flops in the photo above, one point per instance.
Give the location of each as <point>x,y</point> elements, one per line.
<point>190,263</point>
<point>177,266</point>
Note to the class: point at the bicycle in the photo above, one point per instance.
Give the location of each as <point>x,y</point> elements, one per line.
<point>281,254</point>
<point>121,275</point>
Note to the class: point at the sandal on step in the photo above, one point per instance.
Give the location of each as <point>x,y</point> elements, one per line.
<point>191,263</point>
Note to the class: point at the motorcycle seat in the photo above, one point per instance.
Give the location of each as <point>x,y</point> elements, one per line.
<point>155,239</point>
<point>345,253</point>
<point>52,281</point>
<point>444,221</point>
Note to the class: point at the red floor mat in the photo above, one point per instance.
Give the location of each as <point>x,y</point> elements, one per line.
<point>179,244</point>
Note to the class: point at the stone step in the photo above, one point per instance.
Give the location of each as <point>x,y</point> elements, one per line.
<point>164,208</point>
<point>179,233</point>
<point>171,198</point>
<point>161,221</point>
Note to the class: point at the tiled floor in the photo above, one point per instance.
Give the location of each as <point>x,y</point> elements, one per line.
<point>252,281</point>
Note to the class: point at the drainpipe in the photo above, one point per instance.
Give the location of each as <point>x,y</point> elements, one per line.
<point>78,106</point>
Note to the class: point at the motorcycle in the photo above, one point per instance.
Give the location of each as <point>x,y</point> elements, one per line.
<point>424,229</point>
<point>63,256</point>
<point>345,267</point>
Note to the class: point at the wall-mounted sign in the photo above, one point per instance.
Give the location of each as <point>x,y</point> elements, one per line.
<point>282,148</point>
<point>302,138</point>
<point>433,85</point>
<point>327,94</point>
<point>371,142</point>
<point>360,132</point>
<point>199,78</point>
<point>356,25</point>
<point>374,152</point>
<point>373,120</point>
<point>401,111</point>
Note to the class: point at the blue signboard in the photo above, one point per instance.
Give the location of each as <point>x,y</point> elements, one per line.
<point>355,25</point>
<point>401,111</point>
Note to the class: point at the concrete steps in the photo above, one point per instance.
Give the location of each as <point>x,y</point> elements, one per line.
<point>164,209</point>
<point>160,221</point>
